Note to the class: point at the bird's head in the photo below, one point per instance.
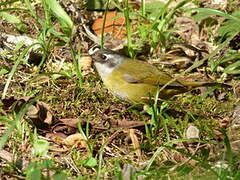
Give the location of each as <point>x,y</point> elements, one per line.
<point>105,60</point>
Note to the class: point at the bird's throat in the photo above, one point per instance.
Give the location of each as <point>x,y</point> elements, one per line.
<point>103,70</point>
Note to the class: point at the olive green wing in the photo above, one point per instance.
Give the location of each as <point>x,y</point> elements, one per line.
<point>145,73</point>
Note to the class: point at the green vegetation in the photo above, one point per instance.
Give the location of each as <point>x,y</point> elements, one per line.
<point>57,121</point>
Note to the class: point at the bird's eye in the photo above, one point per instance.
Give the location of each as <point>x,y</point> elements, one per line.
<point>104,57</point>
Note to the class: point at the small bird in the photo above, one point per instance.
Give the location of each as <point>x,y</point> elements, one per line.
<point>134,80</point>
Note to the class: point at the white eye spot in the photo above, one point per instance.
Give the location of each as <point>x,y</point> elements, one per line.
<point>107,56</point>
<point>93,50</point>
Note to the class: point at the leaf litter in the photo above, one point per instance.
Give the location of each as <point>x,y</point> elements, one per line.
<point>64,106</point>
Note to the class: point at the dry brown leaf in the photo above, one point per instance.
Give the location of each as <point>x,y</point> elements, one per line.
<point>114,44</point>
<point>218,133</point>
<point>236,115</point>
<point>65,129</point>
<point>75,140</point>
<point>40,114</point>
<point>188,29</point>
<point>127,171</point>
<point>224,123</point>
<point>72,122</point>
<point>85,63</point>
<point>45,113</point>
<point>233,129</point>
<point>215,4</point>
<point>135,142</point>
<point>8,102</point>
<point>236,90</point>
<point>69,125</point>
<point>39,80</point>
<point>6,155</point>
<point>236,145</point>
<point>114,26</point>
<point>32,111</point>
<point>55,135</point>
<point>177,60</point>
<point>18,161</point>
<point>123,123</point>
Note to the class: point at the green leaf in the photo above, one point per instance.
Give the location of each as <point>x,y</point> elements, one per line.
<point>149,110</point>
<point>99,5</point>
<point>204,13</point>
<point>231,62</point>
<point>59,176</point>
<point>34,174</point>
<point>10,18</point>
<point>47,163</point>
<point>90,162</point>
<point>184,170</point>
<point>225,60</point>
<point>22,28</point>
<point>64,19</point>
<point>19,45</point>
<point>40,147</point>
<point>14,20</point>
<point>228,28</point>
<point>233,68</point>
<point>3,71</point>
<point>153,6</point>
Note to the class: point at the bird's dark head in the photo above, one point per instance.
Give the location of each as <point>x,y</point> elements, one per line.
<point>105,60</point>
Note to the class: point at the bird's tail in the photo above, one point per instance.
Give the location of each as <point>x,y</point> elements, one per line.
<point>196,84</point>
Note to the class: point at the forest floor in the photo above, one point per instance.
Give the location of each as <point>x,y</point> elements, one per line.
<point>58,120</point>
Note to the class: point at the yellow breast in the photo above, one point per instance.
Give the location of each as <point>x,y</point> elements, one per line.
<point>134,93</point>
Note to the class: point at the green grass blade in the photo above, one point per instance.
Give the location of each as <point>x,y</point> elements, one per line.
<point>207,12</point>
<point>64,19</point>
<point>17,118</point>
<point>149,163</point>
<point>14,68</point>
<point>8,2</point>
<point>10,18</point>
